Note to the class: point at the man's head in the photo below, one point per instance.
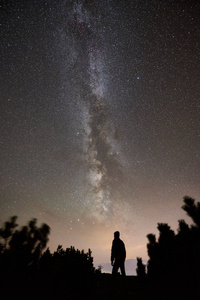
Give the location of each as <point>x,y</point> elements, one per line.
<point>116,234</point>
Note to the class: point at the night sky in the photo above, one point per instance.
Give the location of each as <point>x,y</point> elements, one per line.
<point>100,118</point>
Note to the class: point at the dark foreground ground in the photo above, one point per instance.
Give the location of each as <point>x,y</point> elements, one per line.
<point>134,289</point>
<point>119,288</point>
<point>130,288</point>
<point>105,288</point>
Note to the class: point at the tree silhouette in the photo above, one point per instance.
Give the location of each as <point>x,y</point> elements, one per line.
<point>20,251</point>
<point>192,209</point>
<point>175,258</point>
<point>6,232</point>
<point>22,248</point>
<point>31,271</point>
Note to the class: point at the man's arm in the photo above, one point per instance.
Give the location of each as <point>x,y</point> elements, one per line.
<point>124,250</point>
<point>112,254</point>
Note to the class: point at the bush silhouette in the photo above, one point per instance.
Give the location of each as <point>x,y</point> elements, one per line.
<point>69,270</point>
<point>141,269</point>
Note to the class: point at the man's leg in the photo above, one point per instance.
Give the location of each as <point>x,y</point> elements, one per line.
<point>115,268</point>
<point>122,268</point>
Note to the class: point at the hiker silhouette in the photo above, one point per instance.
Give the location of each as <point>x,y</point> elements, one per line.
<point>118,255</point>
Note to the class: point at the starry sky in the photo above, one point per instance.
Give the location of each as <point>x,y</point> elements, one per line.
<point>100,118</point>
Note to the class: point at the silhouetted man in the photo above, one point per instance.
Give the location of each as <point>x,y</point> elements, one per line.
<point>118,255</point>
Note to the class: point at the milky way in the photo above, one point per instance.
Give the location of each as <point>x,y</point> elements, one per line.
<point>105,176</point>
